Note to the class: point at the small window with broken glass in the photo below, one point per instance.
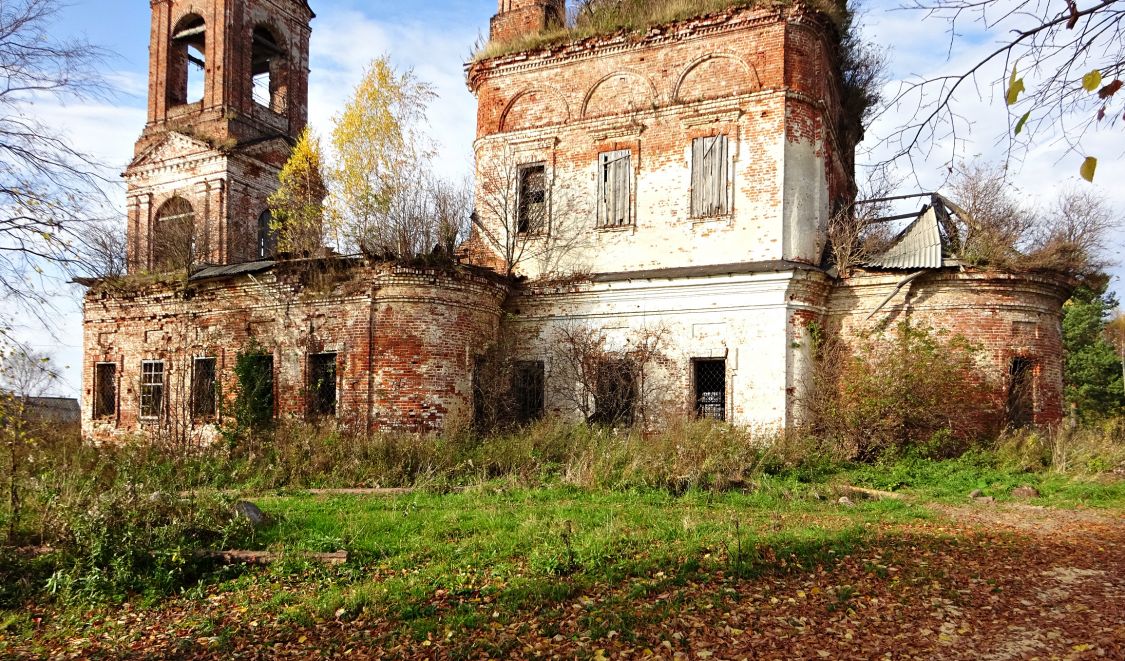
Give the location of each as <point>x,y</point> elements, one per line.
<point>710,177</point>
<point>615,189</point>
<point>152,389</point>
<point>105,390</point>
<point>322,385</point>
<point>531,216</point>
<point>204,389</point>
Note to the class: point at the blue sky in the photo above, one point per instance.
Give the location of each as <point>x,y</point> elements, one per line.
<point>435,38</point>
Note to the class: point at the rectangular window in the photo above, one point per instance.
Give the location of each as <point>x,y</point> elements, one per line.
<point>711,389</point>
<point>615,392</point>
<point>710,177</point>
<point>105,390</point>
<point>529,390</point>
<point>255,382</point>
<point>204,389</point>
<point>532,200</point>
<point>1021,395</point>
<point>152,389</point>
<point>322,385</point>
<point>615,185</point>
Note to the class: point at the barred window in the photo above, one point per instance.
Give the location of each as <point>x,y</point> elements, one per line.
<point>532,200</point>
<point>529,390</point>
<point>615,180</point>
<point>204,389</point>
<point>615,392</point>
<point>152,389</point>
<point>710,177</point>
<point>711,389</point>
<point>322,385</point>
<point>105,390</point>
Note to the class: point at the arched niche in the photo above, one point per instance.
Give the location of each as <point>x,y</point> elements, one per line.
<point>620,93</point>
<point>716,76</point>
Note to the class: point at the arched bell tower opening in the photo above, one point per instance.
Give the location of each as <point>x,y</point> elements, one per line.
<point>228,99</point>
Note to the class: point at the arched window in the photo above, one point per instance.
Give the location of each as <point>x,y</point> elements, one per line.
<point>187,61</point>
<point>267,236</point>
<point>173,236</point>
<point>268,67</point>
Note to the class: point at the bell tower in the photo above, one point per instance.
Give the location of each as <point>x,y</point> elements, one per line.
<point>227,98</point>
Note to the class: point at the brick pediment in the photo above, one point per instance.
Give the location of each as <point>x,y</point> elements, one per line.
<point>173,145</point>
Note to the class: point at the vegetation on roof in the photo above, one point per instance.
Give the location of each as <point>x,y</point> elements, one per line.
<point>591,18</point>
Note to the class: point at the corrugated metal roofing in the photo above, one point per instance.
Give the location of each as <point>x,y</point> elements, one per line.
<point>225,270</point>
<point>917,247</point>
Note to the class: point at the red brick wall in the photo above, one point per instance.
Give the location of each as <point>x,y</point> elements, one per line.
<point>405,340</point>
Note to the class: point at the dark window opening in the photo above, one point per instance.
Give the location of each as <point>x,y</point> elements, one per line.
<point>173,236</point>
<point>532,207</point>
<point>322,385</point>
<point>529,390</point>
<point>615,393</point>
<point>267,236</point>
<point>1021,393</point>
<point>615,183</point>
<point>710,177</point>
<point>105,390</point>
<point>152,389</point>
<point>256,401</point>
<point>187,63</point>
<point>204,389</point>
<point>267,65</point>
<point>711,389</point>
<point>480,410</point>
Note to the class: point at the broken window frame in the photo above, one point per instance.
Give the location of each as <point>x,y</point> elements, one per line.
<point>710,177</point>
<point>529,390</point>
<point>187,62</point>
<point>268,84</point>
<point>204,389</point>
<point>710,389</point>
<point>105,391</point>
<point>152,391</point>
<point>615,188</point>
<point>323,385</point>
<point>267,236</point>
<point>1021,392</point>
<point>531,203</point>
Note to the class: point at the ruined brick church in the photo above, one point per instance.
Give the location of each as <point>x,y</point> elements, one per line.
<point>681,179</point>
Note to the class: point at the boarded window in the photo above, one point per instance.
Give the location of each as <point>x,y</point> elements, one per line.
<point>711,389</point>
<point>615,393</point>
<point>267,236</point>
<point>615,179</point>
<point>710,177</point>
<point>152,389</point>
<point>532,200</point>
<point>322,385</point>
<point>105,390</point>
<point>529,390</point>
<point>1021,395</point>
<point>204,389</point>
<point>255,398</point>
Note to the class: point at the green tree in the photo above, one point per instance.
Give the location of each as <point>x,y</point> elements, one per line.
<point>1093,370</point>
<point>297,208</point>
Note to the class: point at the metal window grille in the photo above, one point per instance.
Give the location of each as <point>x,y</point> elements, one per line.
<point>152,389</point>
<point>204,389</point>
<point>615,393</point>
<point>711,389</point>
<point>1021,393</point>
<point>322,385</point>
<point>529,390</point>
<point>615,188</point>
<point>532,199</point>
<point>105,390</point>
<point>710,176</point>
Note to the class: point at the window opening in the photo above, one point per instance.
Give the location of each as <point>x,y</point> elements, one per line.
<point>710,177</point>
<point>105,390</point>
<point>204,389</point>
<point>322,385</point>
<point>255,398</point>
<point>532,207</point>
<point>267,236</point>
<point>152,389</point>
<point>615,392</point>
<point>711,389</point>
<point>480,411</point>
<point>267,70</point>
<point>1021,395</point>
<point>529,390</point>
<point>173,236</point>
<point>615,183</point>
<point>187,70</point>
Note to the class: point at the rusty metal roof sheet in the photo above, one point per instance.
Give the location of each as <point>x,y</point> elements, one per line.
<point>225,270</point>
<point>919,246</point>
